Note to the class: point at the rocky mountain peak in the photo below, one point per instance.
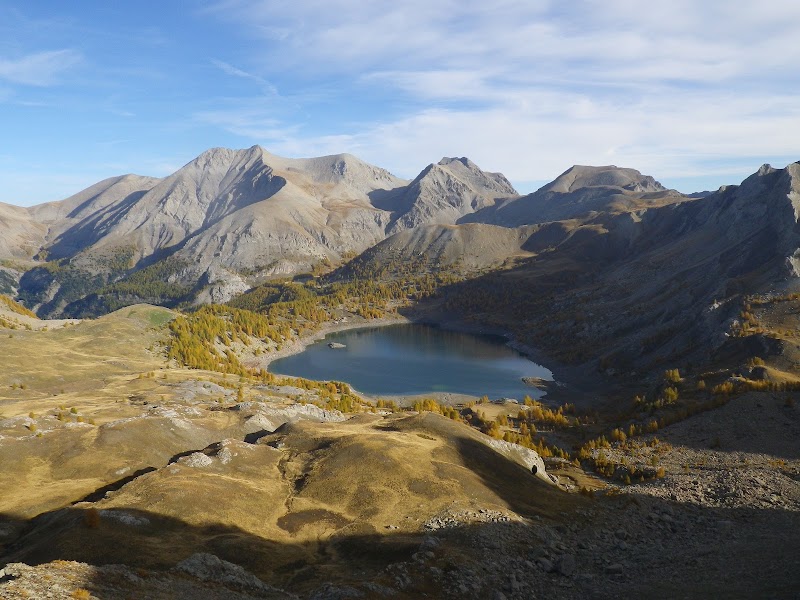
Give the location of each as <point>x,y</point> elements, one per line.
<point>767,178</point>
<point>448,190</point>
<point>765,169</point>
<point>213,158</point>
<point>466,170</point>
<point>463,160</point>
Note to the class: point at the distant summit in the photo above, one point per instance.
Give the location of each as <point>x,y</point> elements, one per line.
<point>580,176</point>
<point>228,212</point>
<point>577,192</point>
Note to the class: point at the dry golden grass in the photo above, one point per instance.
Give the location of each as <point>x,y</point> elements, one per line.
<point>89,365</point>
<point>369,471</point>
<point>16,307</point>
<point>59,392</point>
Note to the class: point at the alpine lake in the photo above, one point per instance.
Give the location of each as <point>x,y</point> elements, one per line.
<point>416,359</point>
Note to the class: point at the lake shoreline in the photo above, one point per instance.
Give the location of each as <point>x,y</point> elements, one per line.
<point>449,398</point>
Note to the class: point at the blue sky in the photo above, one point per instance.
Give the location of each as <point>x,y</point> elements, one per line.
<point>697,94</point>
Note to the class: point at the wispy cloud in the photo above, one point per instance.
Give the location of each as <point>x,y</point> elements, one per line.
<point>39,69</point>
<point>526,87</point>
<point>538,137</point>
<point>236,72</point>
<point>682,39</point>
<point>122,113</point>
<point>254,119</point>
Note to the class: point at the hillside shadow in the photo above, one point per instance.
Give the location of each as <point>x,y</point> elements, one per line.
<point>700,553</point>
<point>147,540</point>
<point>85,233</point>
<point>759,423</point>
<point>694,552</point>
<point>259,187</point>
<point>525,493</point>
<point>101,492</point>
<point>394,200</point>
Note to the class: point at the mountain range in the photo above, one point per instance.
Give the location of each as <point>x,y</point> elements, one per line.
<point>231,219</point>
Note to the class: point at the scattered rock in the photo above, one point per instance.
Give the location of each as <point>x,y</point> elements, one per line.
<point>567,565</point>
<point>125,518</point>
<point>546,565</point>
<point>197,460</point>
<point>208,567</point>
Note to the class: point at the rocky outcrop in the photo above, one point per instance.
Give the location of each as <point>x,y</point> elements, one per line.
<point>201,576</point>
<point>208,567</point>
<point>528,458</point>
<point>264,417</point>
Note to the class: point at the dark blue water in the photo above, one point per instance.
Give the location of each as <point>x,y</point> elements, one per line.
<point>414,359</point>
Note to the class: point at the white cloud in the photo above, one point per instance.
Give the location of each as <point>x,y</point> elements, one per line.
<point>671,87</point>
<point>39,69</point>
<point>538,139</point>
<point>348,36</point>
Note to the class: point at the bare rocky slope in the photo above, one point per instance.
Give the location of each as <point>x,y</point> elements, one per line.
<point>449,190</point>
<point>473,246</point>
<point>21,236</point>
<point>82,220</point>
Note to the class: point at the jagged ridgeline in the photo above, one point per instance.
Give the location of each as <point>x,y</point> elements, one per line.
<point>222,224</point>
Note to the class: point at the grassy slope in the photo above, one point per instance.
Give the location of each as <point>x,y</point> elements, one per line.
<point>94,372</point>
<point>335,497</point>
<point>84,365</point>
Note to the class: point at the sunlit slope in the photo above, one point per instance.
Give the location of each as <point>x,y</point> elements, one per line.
<point>75,363</point>
<point>309,495</point>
